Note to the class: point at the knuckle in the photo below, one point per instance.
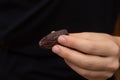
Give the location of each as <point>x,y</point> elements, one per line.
<point>114,66</point>
<point>115,50</point>
<point>108,75</point>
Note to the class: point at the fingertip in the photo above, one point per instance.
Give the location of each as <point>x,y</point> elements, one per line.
<point>56,49</point>
<point>62,39</point>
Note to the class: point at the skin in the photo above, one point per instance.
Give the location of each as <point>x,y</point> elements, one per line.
<point>95,56</point>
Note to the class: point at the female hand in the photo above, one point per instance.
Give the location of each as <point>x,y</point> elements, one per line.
<point>95,56</point>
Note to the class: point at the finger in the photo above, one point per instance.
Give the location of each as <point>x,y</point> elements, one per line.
<point>91,35</point>
<point>89,46</point>
<point>88,74</point>
<point>89,62</point>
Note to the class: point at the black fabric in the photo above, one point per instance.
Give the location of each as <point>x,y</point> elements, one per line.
<point>24,22</point>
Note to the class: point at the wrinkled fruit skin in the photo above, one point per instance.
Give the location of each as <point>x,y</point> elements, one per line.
<point>51,39</point>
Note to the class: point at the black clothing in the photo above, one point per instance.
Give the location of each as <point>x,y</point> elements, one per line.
<point>24,22</point>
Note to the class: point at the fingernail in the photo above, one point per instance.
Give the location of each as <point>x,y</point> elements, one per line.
<point>56,49</point>
<point>62,39</point>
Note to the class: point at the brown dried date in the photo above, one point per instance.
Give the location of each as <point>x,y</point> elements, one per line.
<point>51,39</point>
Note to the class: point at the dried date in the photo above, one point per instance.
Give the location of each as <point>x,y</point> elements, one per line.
<point>51,39</point>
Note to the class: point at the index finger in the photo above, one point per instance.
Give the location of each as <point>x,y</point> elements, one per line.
<point>101,48</point>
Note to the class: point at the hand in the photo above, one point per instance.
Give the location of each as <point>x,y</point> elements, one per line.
<point>94,56</point>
